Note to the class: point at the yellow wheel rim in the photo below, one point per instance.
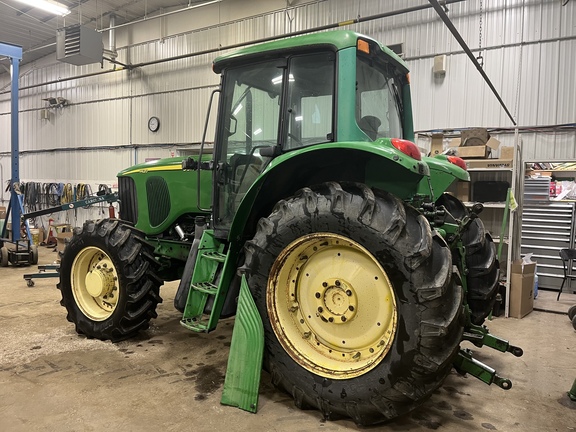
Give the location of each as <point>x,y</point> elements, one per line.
<point>331,305</point>
<point>95,283</point>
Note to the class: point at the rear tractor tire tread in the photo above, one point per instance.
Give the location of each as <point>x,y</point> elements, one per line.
<point>429,303</point>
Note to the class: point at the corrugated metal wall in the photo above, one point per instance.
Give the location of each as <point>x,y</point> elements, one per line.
<point>529,48</point>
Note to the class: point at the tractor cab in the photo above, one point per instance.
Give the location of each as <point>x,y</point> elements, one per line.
<point>298,93</point>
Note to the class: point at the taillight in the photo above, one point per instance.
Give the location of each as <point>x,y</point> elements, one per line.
<point>407,147</point>
<point>458,161</point>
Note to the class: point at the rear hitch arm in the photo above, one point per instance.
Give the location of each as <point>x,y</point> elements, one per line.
<point>480,336</point>
<point>465,363</point>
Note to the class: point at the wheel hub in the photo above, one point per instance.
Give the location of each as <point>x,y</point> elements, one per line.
<point>99,282</point>
<point>94,283</point>
<point>331,305</point>
<point>337,301</point>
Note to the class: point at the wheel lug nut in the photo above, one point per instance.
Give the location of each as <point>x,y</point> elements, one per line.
<point>320,309</point>
<point>337,283</point>
<point>317,295</point>
<point>324,284</point>
<point>348,293</point>
<point>343,318</point>
<point>306,335</point>
<point>351,308</point>
<point>331,319</point>
<point>104,265</point>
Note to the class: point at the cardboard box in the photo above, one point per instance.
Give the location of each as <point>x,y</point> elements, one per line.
<point>475,143</point>
<point>481,151</point>
<point>474,152</point>
<point>437,146</point>
<point>489,163</point>
<point>463,191</point>
<point>506,152</point>
<point>62,239</point>
<point>522,289</point>
<point>474,136</point>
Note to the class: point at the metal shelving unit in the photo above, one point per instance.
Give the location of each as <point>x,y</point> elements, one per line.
<point>493,213</point>
<point>547,227</point>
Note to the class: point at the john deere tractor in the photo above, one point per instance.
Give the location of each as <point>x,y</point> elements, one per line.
<point>315,220</point>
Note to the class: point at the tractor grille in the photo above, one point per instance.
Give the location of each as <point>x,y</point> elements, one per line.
<point>158,200</point>
<point>128,199</point>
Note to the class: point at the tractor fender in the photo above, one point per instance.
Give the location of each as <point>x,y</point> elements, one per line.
<point>377,164</point>
<point>443,174</point>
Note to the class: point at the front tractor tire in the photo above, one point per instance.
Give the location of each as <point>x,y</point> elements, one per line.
<point>108,282</point>
<point>361,311</point>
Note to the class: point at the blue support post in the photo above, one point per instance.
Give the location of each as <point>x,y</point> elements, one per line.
<point>15,54</point>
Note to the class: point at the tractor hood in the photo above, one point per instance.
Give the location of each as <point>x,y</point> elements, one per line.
<point>167,164</point>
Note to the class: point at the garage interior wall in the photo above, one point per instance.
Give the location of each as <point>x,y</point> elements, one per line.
<point>529,50</point>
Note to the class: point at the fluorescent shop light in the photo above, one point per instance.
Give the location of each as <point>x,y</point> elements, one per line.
<point>48,6</point>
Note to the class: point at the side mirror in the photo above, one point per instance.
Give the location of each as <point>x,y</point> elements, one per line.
<point>189,164</point>
<point>233,125</point>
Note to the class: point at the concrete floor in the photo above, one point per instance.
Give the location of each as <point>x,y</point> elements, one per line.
<point>170,379</point>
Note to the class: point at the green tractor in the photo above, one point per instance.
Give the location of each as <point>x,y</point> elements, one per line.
<point>315,220</point>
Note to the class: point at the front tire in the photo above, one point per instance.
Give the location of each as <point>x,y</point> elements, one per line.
<point>108,282</point>
<point>340,251</point>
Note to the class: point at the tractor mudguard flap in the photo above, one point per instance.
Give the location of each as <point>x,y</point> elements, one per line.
<point>246,352</point>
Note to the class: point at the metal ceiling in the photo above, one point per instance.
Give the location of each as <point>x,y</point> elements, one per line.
<point>35,30</point>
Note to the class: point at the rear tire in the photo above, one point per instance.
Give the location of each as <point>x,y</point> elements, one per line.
<point>33,255</point>
<point>481,261</point>
<point>344,235</point>
<point>108,282</point>
<point>3,256</point>
<point>572,312</point>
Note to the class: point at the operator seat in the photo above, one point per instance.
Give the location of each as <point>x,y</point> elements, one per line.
<point>245,171</point>
<point>369,125</point>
